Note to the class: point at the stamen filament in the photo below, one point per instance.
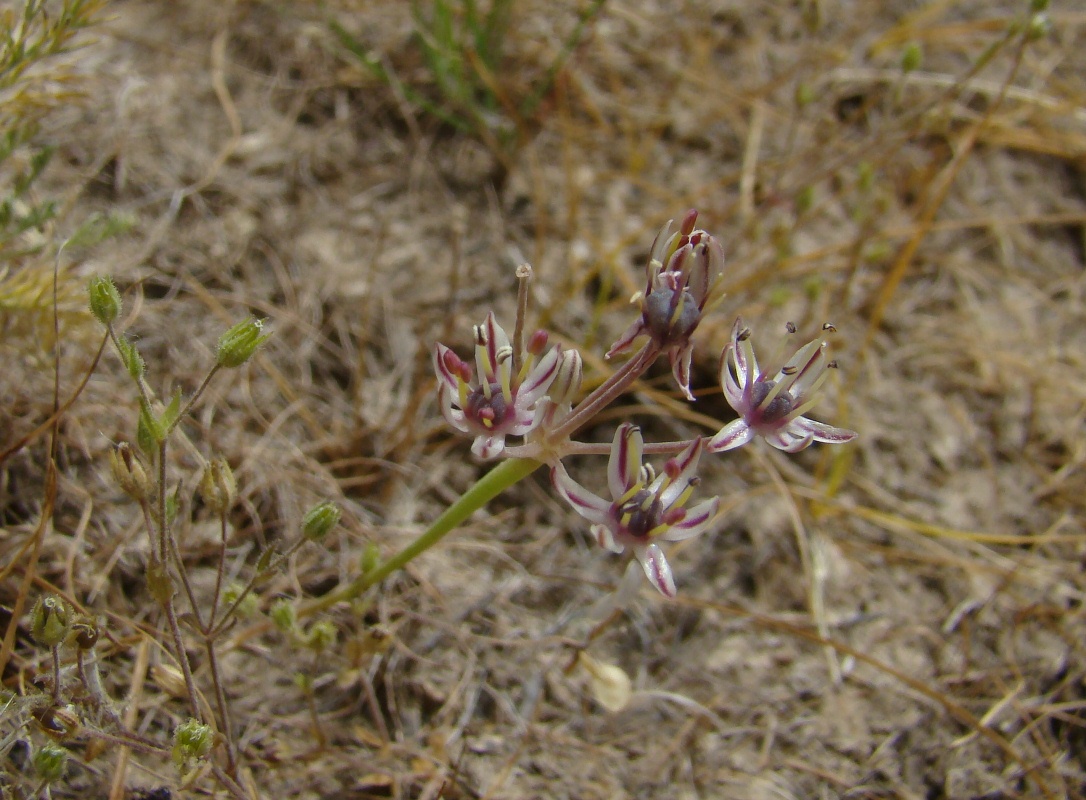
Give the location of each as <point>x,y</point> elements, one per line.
<point>525,368</point>
<point>811,393</point>
<point>680,501</point>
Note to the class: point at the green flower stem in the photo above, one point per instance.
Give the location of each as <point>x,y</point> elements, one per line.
<point>485,489</point>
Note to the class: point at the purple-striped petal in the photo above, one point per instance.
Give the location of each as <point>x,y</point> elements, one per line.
<point>680,367</point>
<point>746,371</point>
<point>687,461</point>
<point>452,415</point>
<point>656,567</point>
<point>488,446</point>
<point>627,338</point>
<point>697,519</point>
<point>594,509</point>
<point>733,390</point>
<point>441,369</point>
<point>735,434</point>
<point>789,441</point>
<point>606,538</point>
<point>820,431</point>
<point>538,379</point>
<point>624,463</point>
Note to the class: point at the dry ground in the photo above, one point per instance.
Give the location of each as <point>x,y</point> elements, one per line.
<point>898,618</point>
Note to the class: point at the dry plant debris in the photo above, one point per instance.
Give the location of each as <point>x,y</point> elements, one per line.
<point>901,618</point>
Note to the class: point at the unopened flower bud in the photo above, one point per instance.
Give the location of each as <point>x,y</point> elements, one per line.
<point>50,620</point>
<point>192,741</point>
<point>218,489</point>
<point>537,342</point>
<point>321,635</point>
<point>129,473</point>
<point>567,383</point>
<point>238,344</point>
<point>50,761</point>
<point>282,614</point>
<point>912,57</point>
<point>105,300</point>
<point>320,520</point>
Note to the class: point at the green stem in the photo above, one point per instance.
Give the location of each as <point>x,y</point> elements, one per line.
<point>485,489</point>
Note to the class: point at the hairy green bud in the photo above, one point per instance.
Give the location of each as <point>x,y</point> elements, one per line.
<point>105,300</point>
<point>192,741</point>
<point>50,761</point>
<point>218,489</point>
<point>911,57</point>
<point>320,520</point>
<point>238,344</point>
<point>50,620</point>
<point>282,614</point>
<point>321,635</point>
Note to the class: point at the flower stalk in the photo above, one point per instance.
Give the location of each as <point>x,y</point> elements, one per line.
<point>501,477</point>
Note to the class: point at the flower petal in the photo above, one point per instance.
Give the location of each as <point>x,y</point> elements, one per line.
<point>735,434</point>
<point>624,464</point>
<point>606,539</point>
<point>659,253</point>
<point>687,461</point>
<point>487,446</point>
<point>820,431</point>
<point>697,519</point>
<point>790,439</point>
<point>538,379</point>
<point>803,368</point>
<point>452,415</point>
<point>656,567</point>
<point>729,369</point>
<point>680,367</point>
<point>627,338</point>
<point>594,509</point>
<point>745,362</point>
<point>441,369</point>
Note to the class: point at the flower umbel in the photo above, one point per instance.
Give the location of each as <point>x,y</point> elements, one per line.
<point>504,402</point>
<point>683,269</point>
<point>645,507</point>
<point>773,406</point>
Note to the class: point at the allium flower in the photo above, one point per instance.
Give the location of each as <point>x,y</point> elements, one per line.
<point>645,508</point>
<point>683,269</point>
<point>773,407</point>
<point>504,402</point>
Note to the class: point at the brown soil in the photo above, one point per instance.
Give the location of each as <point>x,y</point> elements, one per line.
<point>896,618</point>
